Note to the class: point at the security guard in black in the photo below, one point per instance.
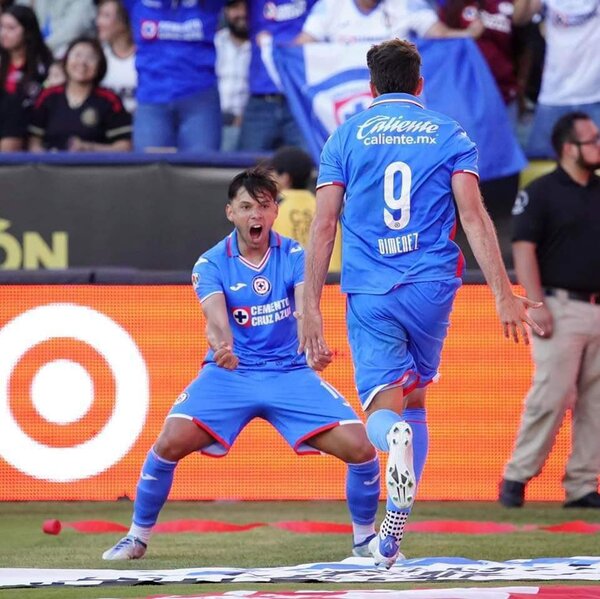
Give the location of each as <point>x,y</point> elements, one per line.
<point>562,218</point>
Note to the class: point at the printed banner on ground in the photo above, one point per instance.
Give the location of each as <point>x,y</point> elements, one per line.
<point>349,570</point>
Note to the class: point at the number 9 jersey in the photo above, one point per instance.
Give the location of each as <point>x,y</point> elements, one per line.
<point>396,161</point>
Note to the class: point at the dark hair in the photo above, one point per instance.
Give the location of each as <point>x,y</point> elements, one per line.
<point>296,163</point>
<point>564,130</point>
<point>122,15</point>
<point>95,44</point>
<point>395,66</point>
<point>256,181</point>
<point>37,55</point>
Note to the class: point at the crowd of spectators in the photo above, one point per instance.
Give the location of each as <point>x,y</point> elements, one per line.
<point>195,75</point>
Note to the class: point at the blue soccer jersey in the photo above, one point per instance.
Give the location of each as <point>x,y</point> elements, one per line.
<point>259,298</point>
<point>395,162</point>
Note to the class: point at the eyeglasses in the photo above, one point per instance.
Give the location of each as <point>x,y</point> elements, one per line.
<point>594,141</point>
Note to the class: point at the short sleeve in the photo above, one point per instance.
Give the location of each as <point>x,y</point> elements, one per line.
<point>330,168</point>
<point>118,121</point>
<point>527,217</point>
<point>297,260</point>
<point>465,155</point>
<point>420,17</point>
<point>206,279</point>
<point>317,23</point>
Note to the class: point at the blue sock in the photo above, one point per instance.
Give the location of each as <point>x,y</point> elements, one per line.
<point>362,491</point>
<point>379,424</point>
<point>152,489</point>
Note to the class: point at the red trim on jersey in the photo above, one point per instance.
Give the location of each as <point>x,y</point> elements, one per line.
<point>228,247</point>
<point>467,172</point>
<point>336,183</point>
<point>256,267</point>
<point>317,431</point>
<point>212,433</point>
<point>109,95</point>
<point>50,91</point>
<point>460,264</point>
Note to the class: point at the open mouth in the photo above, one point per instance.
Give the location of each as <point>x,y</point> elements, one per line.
<point>255,232</point>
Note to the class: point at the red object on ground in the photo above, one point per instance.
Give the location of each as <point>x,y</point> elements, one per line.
<point>203,526</point>
<point>95,526</point>
<point>52,527</point>
<point>577,526</point>
<point>465,527</point>
<point>312,527</point>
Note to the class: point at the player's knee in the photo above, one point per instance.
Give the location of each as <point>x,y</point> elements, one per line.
<point>359,450</point>
<point>416,398</point>
<point>168,449</point>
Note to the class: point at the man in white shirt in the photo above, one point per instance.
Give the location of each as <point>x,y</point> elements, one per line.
<point>233,60</point>
<point>349,21</point>
<point>571,76</point>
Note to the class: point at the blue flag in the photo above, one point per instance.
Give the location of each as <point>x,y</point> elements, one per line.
<point>327,83</point>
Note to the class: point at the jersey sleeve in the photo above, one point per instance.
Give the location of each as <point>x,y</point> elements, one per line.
<point>118,121</point>
<point>297,262</point>
<point>527,217</point>
<point>331,171</point>
<point>206,279</point>
<point>317,23</point>
<point>465,154</point>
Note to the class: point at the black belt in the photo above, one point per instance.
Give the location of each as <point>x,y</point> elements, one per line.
<point>581,296</point>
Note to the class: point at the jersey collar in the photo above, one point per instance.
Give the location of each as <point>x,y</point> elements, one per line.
<point>231,244</point>
<point>402,98</point>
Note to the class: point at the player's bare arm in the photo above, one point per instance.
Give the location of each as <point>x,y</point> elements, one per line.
<point>318,255</point>
<point>528,275</point>
<point>326,357</point>
<point>480,232</point>
<point>218,331</point>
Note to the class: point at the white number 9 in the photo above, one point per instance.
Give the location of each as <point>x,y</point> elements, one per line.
<point>403,202</point>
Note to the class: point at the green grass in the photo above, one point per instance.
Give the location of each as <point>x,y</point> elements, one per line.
<point>22,543</point>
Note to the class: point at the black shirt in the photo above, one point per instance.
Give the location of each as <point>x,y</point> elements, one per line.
<point>13,117</point>
<point>563,219</point>
<point>100,119</point>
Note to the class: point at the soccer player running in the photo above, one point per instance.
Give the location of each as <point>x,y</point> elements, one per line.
<point>250,285</point>
<point>391,172</point>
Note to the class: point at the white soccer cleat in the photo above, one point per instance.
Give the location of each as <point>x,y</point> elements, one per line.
<point>400,475</point>
<point>362,549</point>
<point>385,551</point>
<point>127,548</point>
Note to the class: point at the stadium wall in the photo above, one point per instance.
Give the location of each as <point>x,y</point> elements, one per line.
<point>139,211</point>
<point>88,373</point>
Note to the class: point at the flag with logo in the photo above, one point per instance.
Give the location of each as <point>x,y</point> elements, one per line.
<point>327,83</point>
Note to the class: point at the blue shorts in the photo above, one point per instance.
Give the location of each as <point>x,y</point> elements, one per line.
<point>297,402</point>
<point>396,339</point>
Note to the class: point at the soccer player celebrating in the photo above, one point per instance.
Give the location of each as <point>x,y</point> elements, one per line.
<point>395,168</point>
<point>250,285</point>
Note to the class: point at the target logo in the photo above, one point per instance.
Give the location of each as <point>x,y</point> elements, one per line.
<point>92,356</point>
